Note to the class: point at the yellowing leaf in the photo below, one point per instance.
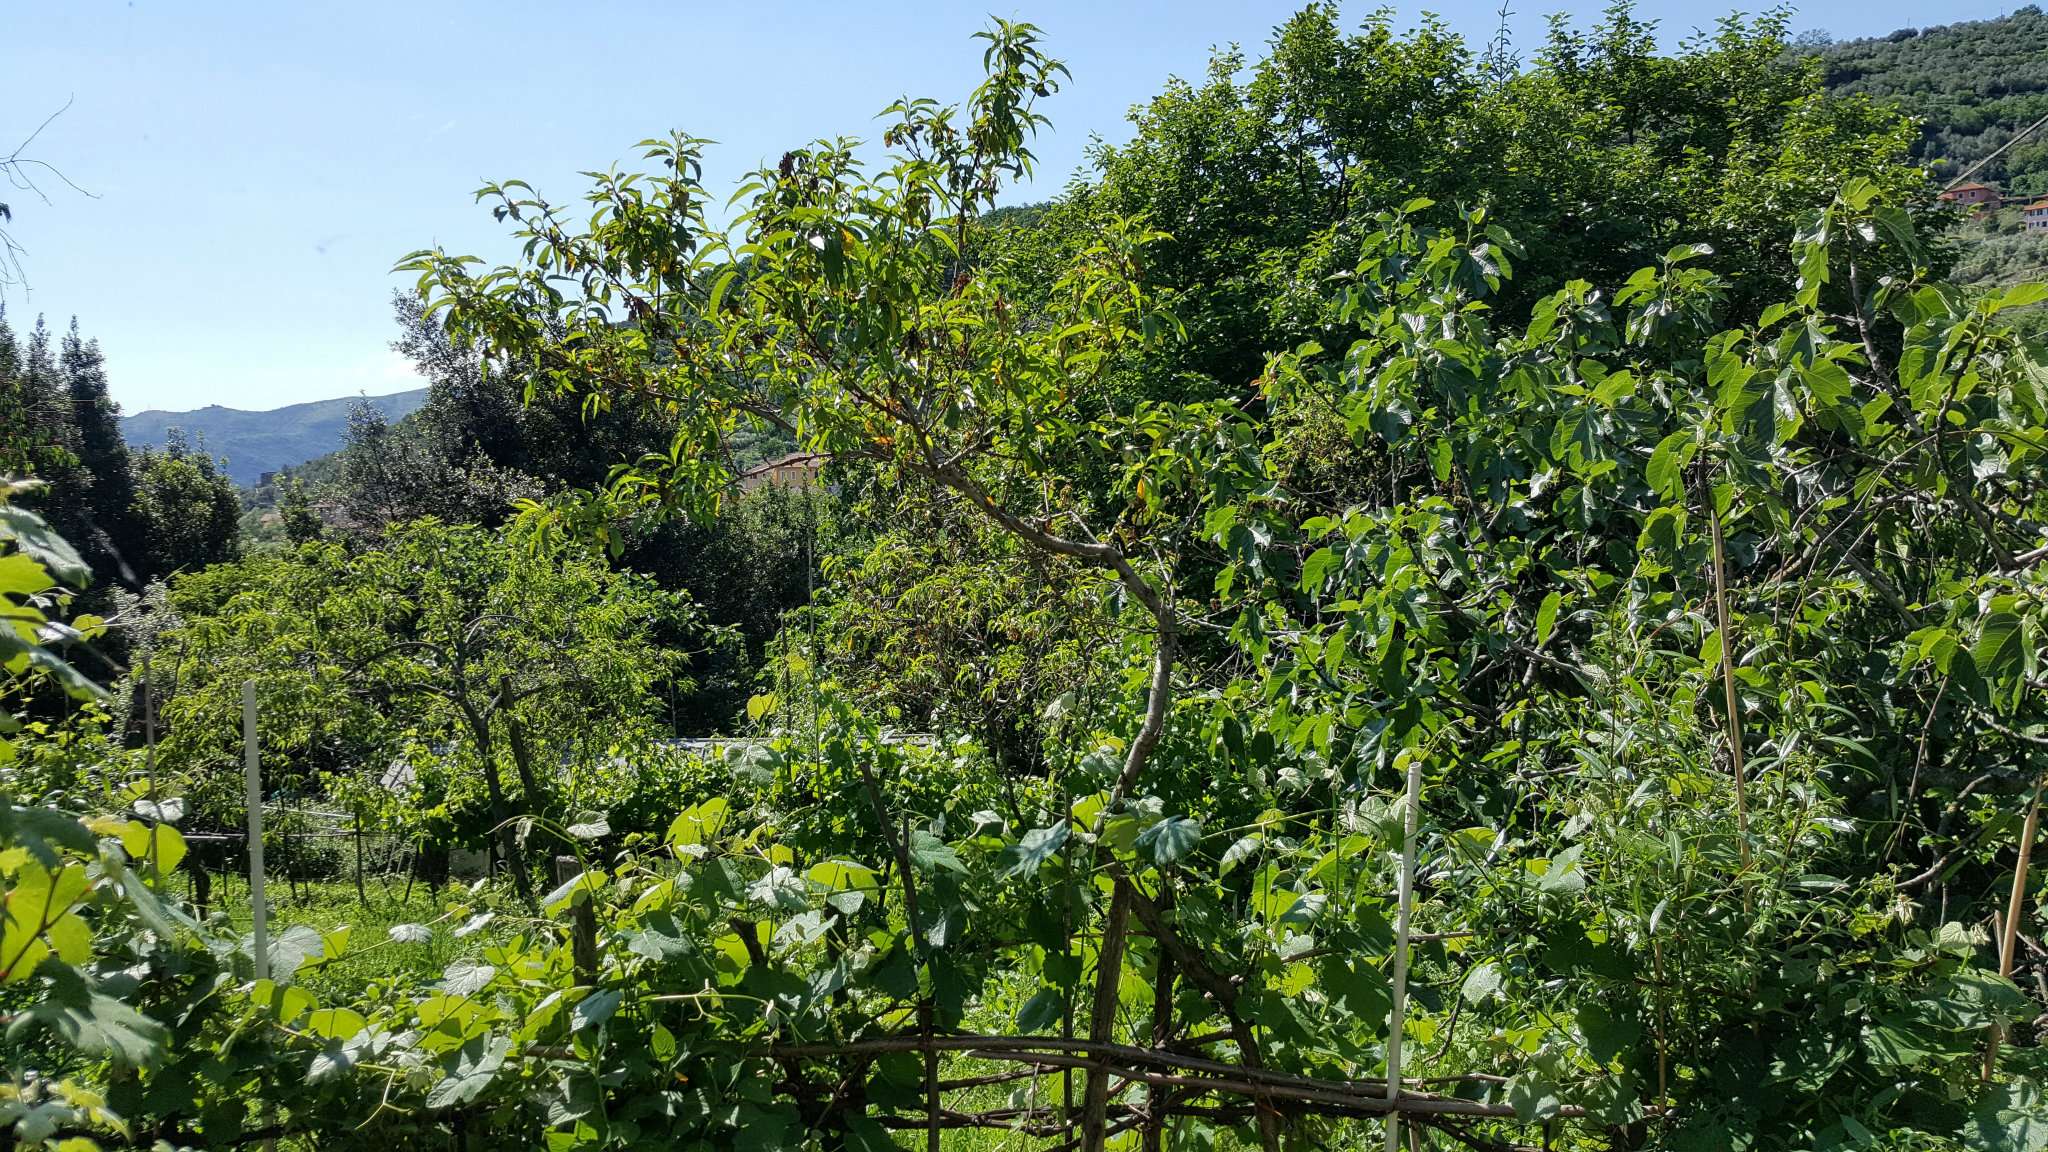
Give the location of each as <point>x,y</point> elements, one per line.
<point>843,876</point>
<point>335,1023</point>
<point>71,937</point>
<point>138,839</point>
<point>699,823</point>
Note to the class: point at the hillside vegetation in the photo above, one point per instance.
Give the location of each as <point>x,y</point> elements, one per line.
<point>1972,85</point>
<point>1424,602</point>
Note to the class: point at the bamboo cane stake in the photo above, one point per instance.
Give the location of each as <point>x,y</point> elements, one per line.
<point>259,913</point>
<point>253,776</point>
<point>1397,1016</point>
<point>2015,904</point>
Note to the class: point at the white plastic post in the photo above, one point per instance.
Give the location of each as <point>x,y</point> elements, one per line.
<point>258,911</point>
<point>1397,1015</point>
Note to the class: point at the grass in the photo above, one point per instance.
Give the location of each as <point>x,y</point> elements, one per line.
<point>372,955</point>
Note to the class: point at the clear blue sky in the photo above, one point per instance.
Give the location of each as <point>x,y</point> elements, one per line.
<point>257,167</point>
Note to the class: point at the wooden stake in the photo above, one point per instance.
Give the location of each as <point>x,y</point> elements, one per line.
<point>2009,941</point>
<point>259,913</point>
<point>1397,1016</point>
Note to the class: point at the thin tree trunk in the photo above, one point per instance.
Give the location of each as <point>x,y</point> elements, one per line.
<point>1109,967</point>
<point>1162,1033</point>
<point>515,733</point>
<point>501,809</point>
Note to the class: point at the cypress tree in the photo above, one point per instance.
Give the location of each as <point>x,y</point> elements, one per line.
<point>46,439</point>
<point>109,533</point>
<point>17,447</point>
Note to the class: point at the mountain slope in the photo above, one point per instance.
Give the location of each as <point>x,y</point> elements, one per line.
<point>1974,85</point>
<point>259,442</point>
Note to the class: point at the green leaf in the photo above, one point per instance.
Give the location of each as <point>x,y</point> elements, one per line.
<point>1562,875</point>
<point>41,543</point>
<point>1663,529</point>
<point>331,1061</point>
<point>590,826</point>
<point>930,853</point>
<point>289,950</point>
<point>1533,1097</point>
<point>2017,296</point>
<point>1244,848</point>
<point>1999,641</point>
<point>844,876</point>
<point>93,1024</point>
<point>578,889</point>
<point>1170,840</point>
<point>781,890</point>
<point>473,1072</point>
<point>699,823</point>
<point>1036,847</point>
<point>594,1010</point>
<point>467,978</point>
<point>473,925</point>
<point>2011,1117</point>
<point>1608,1035</point>
<point>1546,617</point>
<point>285,1002</point>
<point>335,1023</point>
<point>1481,984</point>
<point>1316,568</point>
<point>20,575</point>
<point>1042,1011</point>
<point>1665,471</point>
<point>138,839</point>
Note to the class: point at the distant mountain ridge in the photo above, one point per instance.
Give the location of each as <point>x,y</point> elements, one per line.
<point>259,442</point>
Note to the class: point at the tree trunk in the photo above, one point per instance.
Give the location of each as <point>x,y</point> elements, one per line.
<point>501,810</point>
<point>522,761</point>
<point>1109,967</point>
<point>1162,1032</point>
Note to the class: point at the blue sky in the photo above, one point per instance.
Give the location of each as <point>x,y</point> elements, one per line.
<point>256,168</point>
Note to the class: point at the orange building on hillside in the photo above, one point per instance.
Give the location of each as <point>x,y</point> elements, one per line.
<point>1975,197</point>
<point>796,470</point>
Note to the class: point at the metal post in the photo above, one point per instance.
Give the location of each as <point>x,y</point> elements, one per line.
<point>259,914</point>
<point>1397,1016</point>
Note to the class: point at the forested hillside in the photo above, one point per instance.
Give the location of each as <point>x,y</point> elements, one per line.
<point>253,443</point>
<point>1974,85</point>
<point>1425,601</point>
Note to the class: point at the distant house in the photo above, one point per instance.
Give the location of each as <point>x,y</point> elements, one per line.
<point>1975,197</point>
<point>796,470</point>
<point>2036,216</point>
